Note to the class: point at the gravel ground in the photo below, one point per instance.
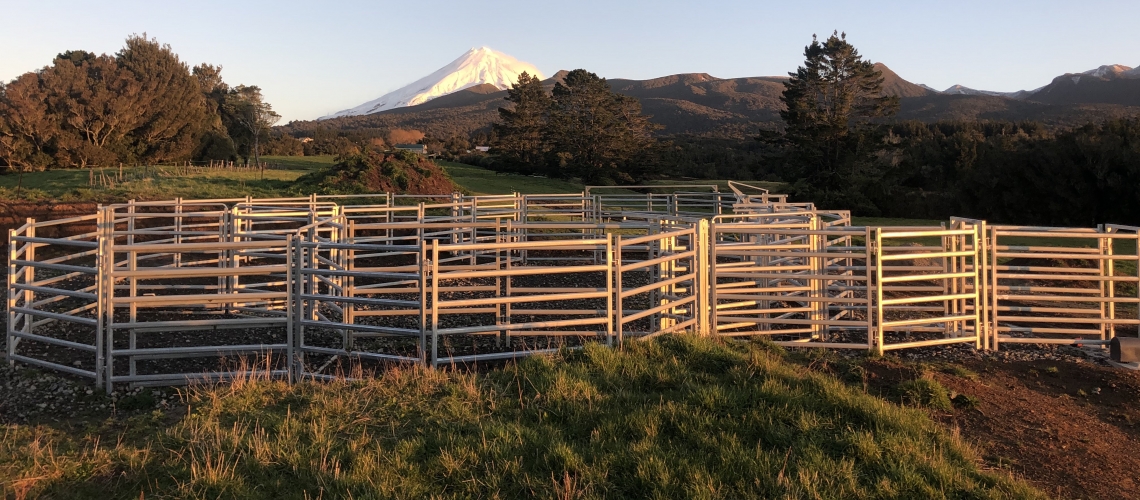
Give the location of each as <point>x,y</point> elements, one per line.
<point>33,396</point>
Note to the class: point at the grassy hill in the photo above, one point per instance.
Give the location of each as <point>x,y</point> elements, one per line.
<point>678,417</point>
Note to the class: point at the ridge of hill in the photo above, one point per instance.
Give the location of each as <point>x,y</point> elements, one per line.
<point>893,84</point>
<point>702,104</point>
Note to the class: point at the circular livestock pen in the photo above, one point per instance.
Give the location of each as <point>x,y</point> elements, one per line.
<point>159,293</point>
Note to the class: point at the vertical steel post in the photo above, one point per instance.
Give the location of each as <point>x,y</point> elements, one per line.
<point>13,255</point>
<point>423,292</point>
<point>618,291</point>
<point>29,274</point>
<point>981,287</point>
<point>434,304</point>
<point>348,284</point>
<point>610,292</point>
<point>290,297</point>
<point>869,285</point>
<point>177,231</point>
<point>703,288</point>
<point>100,293</point>
<point>878,250</point>
<point>711,280</point>
<point>108,293</point>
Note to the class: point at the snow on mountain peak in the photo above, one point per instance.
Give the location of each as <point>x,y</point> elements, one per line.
<point>1109,70</point>
<point>477,66</point>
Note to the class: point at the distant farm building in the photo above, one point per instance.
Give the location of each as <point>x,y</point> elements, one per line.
<point>415,148</point>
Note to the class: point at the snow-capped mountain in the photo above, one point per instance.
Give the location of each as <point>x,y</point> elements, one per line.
<point>476,67</point>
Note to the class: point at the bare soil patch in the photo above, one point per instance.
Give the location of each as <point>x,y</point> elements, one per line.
<point>1071,428</point>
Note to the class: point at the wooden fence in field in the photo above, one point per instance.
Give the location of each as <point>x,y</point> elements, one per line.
<point>156,293</point>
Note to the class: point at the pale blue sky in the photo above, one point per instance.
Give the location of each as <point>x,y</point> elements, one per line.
<point>313,58</point>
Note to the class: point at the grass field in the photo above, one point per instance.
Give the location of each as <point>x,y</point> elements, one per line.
<point>678,417</point>
<point>149,183</point>
<point>478,180</point>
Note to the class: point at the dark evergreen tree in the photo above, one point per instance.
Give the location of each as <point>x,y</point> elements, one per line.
<point>97,105</point>
<point>595,133</point>
<point>831,102</point>
<point>27,127</point>
<point>142,105</point>
<point>520,145</point>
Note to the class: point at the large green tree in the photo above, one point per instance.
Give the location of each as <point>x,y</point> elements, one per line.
<point>215,143</point>
<point>141,105</point>
<point>248,118</point>
<point>595,133</point>
<point>26,127</point>
<point>832,102</point>
<point>520,144</point>
<point>97,104</point>
<point>173,111</point>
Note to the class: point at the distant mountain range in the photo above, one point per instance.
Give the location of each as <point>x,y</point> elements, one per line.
<point>701,104</point>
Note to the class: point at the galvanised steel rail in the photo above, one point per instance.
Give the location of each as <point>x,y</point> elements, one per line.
<point>158,293</point>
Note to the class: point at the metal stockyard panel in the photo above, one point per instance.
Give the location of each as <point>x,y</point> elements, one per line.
<point>54,299</point>
<point>927,285</point>
<point>792,279</point>
<point>171,292</point>
<point>1060,285</point>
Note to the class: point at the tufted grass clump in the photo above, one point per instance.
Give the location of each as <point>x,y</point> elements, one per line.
<point>925,392</point>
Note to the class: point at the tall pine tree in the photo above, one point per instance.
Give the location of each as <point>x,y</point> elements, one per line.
<point>831,102</point>
<point>520,145</point>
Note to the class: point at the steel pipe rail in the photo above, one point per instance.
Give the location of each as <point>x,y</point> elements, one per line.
<point>300,284</point>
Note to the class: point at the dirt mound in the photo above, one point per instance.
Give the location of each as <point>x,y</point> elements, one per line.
<point>371,172</point>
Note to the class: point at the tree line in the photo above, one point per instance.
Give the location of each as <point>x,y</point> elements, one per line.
<point>140,105</point>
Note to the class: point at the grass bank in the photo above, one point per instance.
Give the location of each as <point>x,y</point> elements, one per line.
<point>679,417</point>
